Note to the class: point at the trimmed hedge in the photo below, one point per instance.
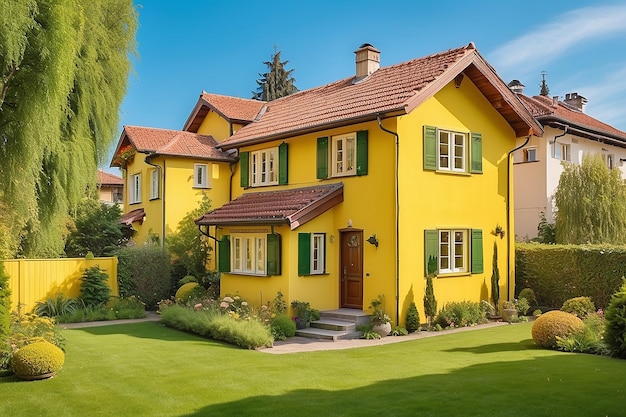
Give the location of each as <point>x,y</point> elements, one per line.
<point>557,273</point>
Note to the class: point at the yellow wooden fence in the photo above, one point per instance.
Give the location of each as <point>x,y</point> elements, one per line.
<point>32,280</point>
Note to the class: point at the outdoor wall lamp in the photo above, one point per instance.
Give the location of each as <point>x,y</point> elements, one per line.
<point>372,240</point>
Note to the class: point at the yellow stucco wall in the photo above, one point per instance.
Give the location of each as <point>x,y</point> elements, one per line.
<point>216,126</point>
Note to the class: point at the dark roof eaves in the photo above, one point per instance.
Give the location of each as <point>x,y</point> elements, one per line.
<point>595,133</point>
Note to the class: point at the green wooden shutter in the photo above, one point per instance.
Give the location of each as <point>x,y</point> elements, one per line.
<point>477,153</point>
<point>361,152</point>
<point>477,251</point>
<point>282,164</point>
<point>304,253</point>
<point>431,252</point>
<point>273,254</point>
<point>322,158</point>
<point>244,166</point>
<point>430,148</point>
<point>223,253</point>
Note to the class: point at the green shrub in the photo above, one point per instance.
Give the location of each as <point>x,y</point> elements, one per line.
<point>529,295</point>
<point>187,279</point>
<point>615,332</point>
<point>399,331</point>
<point>94,289</point>
<point>37,358</point>
<point>412,318</point>
<point>460,314</point>
<point>189,292</point>
<point>283,327</point>
<point>58,306</point>
<point>579,306</point>
<point>211,322</point>
<point>522,306</point>
<point>5,304</point>
<point>554,324</point>
<point>127,308</point>
<point>587,340</point>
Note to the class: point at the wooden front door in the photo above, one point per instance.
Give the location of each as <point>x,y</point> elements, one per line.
<point>351,269</point>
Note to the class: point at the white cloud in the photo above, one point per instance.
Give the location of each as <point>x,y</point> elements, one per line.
<point>546,43</point>
<point>607,98</point>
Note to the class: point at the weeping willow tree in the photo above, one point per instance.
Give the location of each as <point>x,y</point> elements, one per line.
<point>64,66</point>
<point>277,82</point>
<point>591,204</point>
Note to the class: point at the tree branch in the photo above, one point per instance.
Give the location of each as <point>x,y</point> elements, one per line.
<point>5,85</point>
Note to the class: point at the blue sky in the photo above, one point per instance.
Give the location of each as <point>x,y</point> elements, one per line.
<point>189,46</point>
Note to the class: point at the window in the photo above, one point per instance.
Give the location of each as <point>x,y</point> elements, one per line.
<point>446,150</point>
<point>311,253</point>
<point>154,184</point>
<point>252,254</point>
<point>118,195</point>
<point>134,189</point>
<point>451,151</point>
<point>453,251</point>
<point>264,167</point>
<point>530,154</point>
<point>200,176</point>
<point>609,160</point>
<point>562,151</point>
<point>347,155</point>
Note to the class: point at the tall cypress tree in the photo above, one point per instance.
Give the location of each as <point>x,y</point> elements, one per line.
<point>63,74</point>
<point>277,82</point>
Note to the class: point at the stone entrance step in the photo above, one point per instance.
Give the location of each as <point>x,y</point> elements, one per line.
<point>336,324</point>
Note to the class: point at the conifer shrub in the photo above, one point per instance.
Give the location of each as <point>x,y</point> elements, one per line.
<point>94,290</point>
<point>412,318</point>
<point>37,358</point>
<point>615,330</point>
<point>579,306</point>
<point>554,324</point>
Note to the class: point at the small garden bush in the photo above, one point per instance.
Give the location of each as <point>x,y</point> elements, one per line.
<point>283,327</point>
<point>5,304</point>
<point>412,318</point>
<point>529,295</point>
<point>554,324</point>
<point>116,309</point>
<point>57,306</point>
<point>189,292</point>
<point>219,323</point>
<point>94,289</point>
<point>37,358</point>
<point>615,332</point>
<point>460,314</point>
<point>579,306</point>
<point>587,340</point>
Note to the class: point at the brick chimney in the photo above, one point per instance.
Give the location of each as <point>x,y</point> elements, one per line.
<point>367,60</point>
<point>576,101</point>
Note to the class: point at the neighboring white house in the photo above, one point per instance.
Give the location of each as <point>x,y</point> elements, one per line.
<point>569,134</point>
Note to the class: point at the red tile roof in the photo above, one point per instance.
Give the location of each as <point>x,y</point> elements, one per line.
<point>294,207</point>
<point>171,143</point>
<point>396,89</point>
<point>132,216</point>
<point>545,110</point>
<point>104,178</point>
<point>233,109</point>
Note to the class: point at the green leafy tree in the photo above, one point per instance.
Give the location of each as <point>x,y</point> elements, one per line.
<point>190,250</point>
<point>96,229</point>
<point>5,304</point>
<point>277,82</point>
<point>64,66</point>
<point>591,204</point>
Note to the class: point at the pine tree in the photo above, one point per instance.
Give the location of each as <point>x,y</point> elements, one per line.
<point>277,82</point>
<point>495,278</point>
<point>591,204</point>
<point>63,74</point>
<point>545,90</point>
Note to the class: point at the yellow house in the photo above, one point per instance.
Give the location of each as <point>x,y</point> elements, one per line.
<point>110,188</point>
<point>344,192</point>
<point>166,174</point>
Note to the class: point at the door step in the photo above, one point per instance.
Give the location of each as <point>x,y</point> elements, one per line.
<point>336,324</point>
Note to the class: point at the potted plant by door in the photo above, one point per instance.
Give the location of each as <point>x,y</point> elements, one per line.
<point>381,322</point>
<point>303,313</point>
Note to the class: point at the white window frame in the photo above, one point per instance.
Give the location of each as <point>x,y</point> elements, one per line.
<point>134,188</point>
<point>562,151</point>
<point>452,150</point>
<point>318,250</point>
<point>154,184</point>
<point>609,160</point>
<point>530,154</point>
<point>453,256</point>
<point>264,167</point>
<point>201,176</point>
<point>344,155</point>
<point>249,254</point>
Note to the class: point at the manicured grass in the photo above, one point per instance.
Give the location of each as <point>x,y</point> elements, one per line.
<point>149,370</point>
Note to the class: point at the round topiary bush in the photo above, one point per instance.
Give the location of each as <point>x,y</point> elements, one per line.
<point>552,324</point>
<point>189,291</point>
<point>579,306</point>
<point>36,360</point>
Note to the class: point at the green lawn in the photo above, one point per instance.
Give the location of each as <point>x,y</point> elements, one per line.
<point>149,370</point>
